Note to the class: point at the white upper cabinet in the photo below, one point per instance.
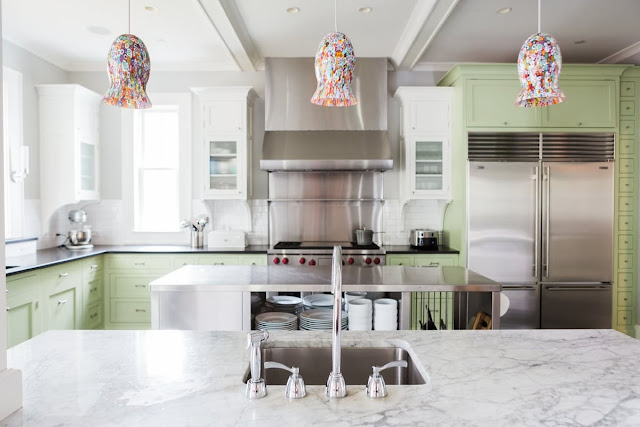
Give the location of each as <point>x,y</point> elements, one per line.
<point>425,142</point>
<point>226,137</point>
<point>69,146</point>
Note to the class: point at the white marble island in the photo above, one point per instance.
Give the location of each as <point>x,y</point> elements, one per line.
<point>190,378</point>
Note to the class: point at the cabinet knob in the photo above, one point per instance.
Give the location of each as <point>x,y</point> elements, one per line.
<point>628,108</point>
<point>93,316</point>
<point>579,123</point>
<point>61,275</point>
<point>505,123</point>
<point>94,266</point>
<point>62,301</point>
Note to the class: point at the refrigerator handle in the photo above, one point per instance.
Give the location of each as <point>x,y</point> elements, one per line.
<point>547,179</point>
<point>536,225</point>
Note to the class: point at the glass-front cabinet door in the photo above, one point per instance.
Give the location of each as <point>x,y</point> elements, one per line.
<point>429,160</point>
<point>225,174</point>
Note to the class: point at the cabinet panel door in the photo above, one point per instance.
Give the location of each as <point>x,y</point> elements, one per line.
<point>20,322</point>
<point>429,116</point>
<point>224,116</point>
<point>428,166</point>
<point>400,260</point>
<point>226,169</point>
<point>588,104</point>
<point>490,103</point>
<point>62,310</point>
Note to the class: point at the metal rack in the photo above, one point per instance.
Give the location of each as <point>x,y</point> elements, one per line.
<point>448,310</point>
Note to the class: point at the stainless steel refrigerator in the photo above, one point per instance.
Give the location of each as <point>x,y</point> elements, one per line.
<point>540,221</point>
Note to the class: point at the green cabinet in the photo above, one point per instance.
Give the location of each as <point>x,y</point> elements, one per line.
<point>490,103</point>
<point>62,310</point>
<point>589,104</point>
<point>93,292</point>
<point>422,260</point>
<point>62,285</point>
<point>23,308</point>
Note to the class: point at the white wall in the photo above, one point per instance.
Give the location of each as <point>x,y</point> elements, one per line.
<point>107,216</point>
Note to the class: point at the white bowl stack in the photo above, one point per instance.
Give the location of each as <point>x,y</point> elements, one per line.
<point>360,313</point>
<point>385,314</point>
<point>350,296</point>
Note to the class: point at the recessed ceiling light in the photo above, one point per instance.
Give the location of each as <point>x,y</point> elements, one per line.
<point>503,10</point>
<point>293,10</point>
<point>96,29</point>
<point>579,42</point>
<point>151,9</point>
<point>365,9</point>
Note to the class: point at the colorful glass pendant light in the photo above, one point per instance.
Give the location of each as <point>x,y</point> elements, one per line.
<point>129,68</point>
<point>335,64</point>
<point>539,66</point>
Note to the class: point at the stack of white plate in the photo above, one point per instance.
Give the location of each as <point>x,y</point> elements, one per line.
<point>360,312</point>
<point>276,321</point>
<point>318,301</point>
<point>385,314</point>
<point>284,303</point>
<point>319,319</point>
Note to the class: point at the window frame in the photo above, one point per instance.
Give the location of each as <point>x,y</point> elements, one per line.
<point>183,101</point>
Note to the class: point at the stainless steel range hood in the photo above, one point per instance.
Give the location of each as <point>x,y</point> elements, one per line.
<point>302,136</point>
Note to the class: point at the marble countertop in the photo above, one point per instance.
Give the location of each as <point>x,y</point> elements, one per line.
<point>190,378</point>
<point>196,278</point>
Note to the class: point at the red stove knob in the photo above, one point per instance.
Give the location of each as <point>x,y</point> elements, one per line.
<point>368,260</point>
<point>376,260</point>
<point>285,260</point>
<point>276,260</point>
<point>350,261</point>
<point>302,260</point>
<point>312,262</point>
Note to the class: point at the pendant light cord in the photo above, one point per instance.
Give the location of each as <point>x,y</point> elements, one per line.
<point>335,15</point>
<point>538,15</point>
<point>129,30</point>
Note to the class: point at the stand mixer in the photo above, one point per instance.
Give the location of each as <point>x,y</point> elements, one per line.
<point>79,236</point>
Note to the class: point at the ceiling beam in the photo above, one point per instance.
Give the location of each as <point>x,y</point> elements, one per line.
<point>424,24</point>
<point>226,19</point>
<point>622,54</point>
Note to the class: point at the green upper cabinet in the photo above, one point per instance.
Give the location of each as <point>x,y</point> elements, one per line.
<point>490,103</point>
<point>589,104</point>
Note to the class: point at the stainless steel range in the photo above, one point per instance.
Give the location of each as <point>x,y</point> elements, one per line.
<point>319,253</point>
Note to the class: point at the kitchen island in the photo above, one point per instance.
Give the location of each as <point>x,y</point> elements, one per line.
<point>217,297</point>
<point>179,378</point>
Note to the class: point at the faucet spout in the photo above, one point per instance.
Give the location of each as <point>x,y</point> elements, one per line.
<point>336,386</point>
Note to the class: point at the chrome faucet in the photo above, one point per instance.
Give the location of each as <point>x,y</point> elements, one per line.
<point>336,386</point>
<point>256,387</point>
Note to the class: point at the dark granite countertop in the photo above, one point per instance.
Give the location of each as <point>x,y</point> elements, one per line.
<point>58,255</point>
<point>406,249</point>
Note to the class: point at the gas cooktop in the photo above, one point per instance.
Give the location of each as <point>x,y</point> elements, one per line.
<point>323,245</point>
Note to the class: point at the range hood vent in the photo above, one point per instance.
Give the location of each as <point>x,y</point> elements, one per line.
<point>326,150</point>
<point>302,136</point>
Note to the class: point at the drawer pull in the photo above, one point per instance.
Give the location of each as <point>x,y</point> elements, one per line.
<point>218,263</point>
<point>140,310</point>
<point>94,266</point>
<point>61,275</point>
<point>93,289</point>
<point>434,264</point>
<point>140,286</point>
<point>139,263</point>
<point>93,316</point>
<point>8,308</point>
<point>628,108</point>
<point>579,123</point>
<point>62,301</point>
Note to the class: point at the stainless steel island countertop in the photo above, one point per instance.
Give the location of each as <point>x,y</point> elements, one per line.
<point>253,278</point>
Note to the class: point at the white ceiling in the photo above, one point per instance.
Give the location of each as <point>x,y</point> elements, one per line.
<point>239,34</point>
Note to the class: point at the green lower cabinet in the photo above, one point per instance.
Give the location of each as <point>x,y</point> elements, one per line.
<point>406,260</point>
<point>94,316</point>
<point>62,310</point>
<point>23,308</point>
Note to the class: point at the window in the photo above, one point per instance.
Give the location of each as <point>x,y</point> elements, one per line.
<point>156,170</point>
<point>15,160</point>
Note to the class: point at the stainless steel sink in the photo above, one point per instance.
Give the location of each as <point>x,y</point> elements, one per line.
<point>315,365</point>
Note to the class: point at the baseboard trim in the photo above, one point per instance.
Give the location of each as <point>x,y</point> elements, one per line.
<point>11,392</point>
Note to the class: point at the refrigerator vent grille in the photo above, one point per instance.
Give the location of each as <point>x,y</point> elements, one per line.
<point>546,146</point>
<point>504,146</point>
<point>577,146</point>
